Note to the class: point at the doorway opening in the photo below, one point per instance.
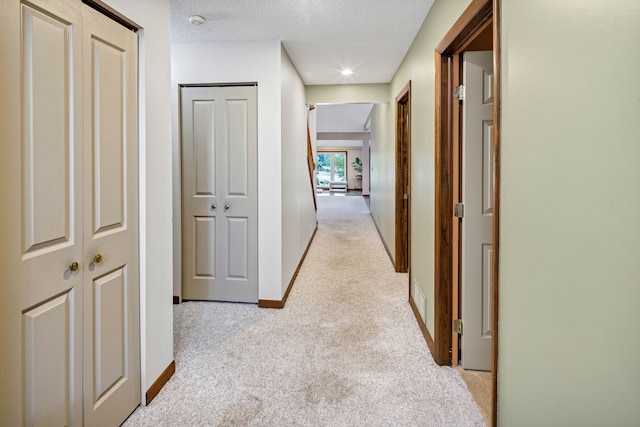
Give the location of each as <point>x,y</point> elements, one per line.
<point>403,183</point>
<point>340,143</point>
<point>476,29</point>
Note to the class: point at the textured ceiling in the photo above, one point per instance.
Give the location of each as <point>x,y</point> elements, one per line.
<point>322,37</point>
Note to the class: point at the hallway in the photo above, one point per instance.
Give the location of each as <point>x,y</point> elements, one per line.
<point>345,350</point>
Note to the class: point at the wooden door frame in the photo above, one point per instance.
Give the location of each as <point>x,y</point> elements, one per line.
<point>403,240</point>
<point>447,159</point>
<point>482,39</point>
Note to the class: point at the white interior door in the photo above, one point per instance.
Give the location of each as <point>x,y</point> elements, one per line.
<point>111,289</point>
<point>69,327</point>
<point>477,196</point>
<point>219,193</point>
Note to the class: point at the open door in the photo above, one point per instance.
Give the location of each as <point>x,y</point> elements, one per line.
<point>477,220</point>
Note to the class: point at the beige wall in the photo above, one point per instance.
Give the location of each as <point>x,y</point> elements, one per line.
<point>419,68</point>
<point>570,235</point>
<point>339,94</point>
<point>298,210</point>
<point>383,173</point>
<point>570,239</point>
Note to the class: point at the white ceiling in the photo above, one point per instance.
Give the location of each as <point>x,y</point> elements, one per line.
<point>322,37</point>
<point>342,117</point>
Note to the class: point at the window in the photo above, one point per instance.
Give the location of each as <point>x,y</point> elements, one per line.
<point>330,167</point>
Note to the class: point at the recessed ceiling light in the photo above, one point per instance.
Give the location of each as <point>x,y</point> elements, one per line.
<point>196,19</point>
<point>347,72</point>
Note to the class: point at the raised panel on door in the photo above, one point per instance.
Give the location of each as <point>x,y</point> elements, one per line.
<point>477,224</point>
<point>110,332</point>
<point>108,138</point>
<point>204,150</point>
<point>487,281</point>
<point>111,300</point>
<point>487,167</point>
<point>47,140</point>
<point>219,193</point>
<point>238,248</point>
<point>40,163</point>
<point>237,143</point>
<point>48,362</point>
<point>204,236</point>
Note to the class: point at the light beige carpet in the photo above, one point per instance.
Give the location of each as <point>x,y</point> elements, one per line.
<point>345,351</point>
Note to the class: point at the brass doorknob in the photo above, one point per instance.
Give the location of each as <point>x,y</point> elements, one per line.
<point>97,258</point>
<point>74,266</point>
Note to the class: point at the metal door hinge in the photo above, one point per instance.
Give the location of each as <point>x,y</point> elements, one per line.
<point>459,92</point>
<point>458,210</point>
<point>457,326</point>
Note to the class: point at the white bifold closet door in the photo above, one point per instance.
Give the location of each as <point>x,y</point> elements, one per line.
<point>219,193</point>
<point>69,315</point>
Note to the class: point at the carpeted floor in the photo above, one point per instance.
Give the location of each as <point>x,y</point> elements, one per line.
<point>345,351</point>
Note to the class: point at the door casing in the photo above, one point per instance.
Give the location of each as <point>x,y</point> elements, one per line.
<point>403,179</point>
<point>466,31</point>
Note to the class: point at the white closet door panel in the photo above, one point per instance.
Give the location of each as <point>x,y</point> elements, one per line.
<point>41,215</point>
<point>111,300</point>
<point>47,169</point>
<point>219,193</point>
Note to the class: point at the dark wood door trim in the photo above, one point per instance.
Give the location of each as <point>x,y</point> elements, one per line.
<point>443,255</point>
<point>471,23</point>
<point>497,114</point>
<point>478,12</point>
<point>403,181</point>
<point>482,39</point>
